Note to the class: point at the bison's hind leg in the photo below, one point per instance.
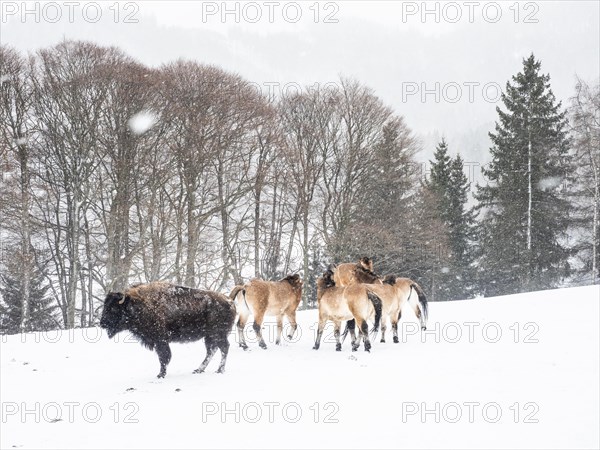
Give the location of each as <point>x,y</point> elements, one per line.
<point>211,348</point>
<point>164,356</point>
<point>223,345</point>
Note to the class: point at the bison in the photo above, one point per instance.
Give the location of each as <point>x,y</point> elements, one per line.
<point>159,313</point>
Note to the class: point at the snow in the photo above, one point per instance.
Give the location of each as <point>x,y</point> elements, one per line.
<point>533,357</point>
<point>142,122</point>
<point>549,183</point>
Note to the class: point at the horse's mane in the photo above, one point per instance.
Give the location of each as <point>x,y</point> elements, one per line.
<point>390,279</point>
<point>363,273</point>
<point>294,280</point>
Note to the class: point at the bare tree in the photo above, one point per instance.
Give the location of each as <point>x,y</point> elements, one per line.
<point>585,122</point>
<point>15,132</point>
<point>68,108</point>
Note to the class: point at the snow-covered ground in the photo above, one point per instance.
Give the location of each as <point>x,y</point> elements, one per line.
<point>509,372</point>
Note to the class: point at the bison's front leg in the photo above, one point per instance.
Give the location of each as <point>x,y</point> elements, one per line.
<point>164,356</point>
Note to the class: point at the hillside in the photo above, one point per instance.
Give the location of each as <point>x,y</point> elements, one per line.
<point>534,385</point>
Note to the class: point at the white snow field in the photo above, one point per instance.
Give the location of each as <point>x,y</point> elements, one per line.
<point>460,385</point>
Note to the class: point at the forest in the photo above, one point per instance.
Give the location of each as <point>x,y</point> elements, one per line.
<point>112,172</point>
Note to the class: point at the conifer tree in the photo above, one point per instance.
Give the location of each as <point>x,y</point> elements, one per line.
<point>524,214</point>
<point>450,187</point>
<point>42,308</point>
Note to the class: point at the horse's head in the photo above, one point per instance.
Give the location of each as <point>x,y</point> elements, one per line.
<point>366,263</point>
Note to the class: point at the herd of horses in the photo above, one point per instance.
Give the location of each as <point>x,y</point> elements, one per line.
<point>350,292</point>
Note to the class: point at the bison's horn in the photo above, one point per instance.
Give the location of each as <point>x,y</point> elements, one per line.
<point>122,301</point>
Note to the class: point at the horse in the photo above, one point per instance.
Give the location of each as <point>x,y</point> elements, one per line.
<point>403,294</point>
<point>352,303</point>
<point>271,298</point>
<point>361,272</point>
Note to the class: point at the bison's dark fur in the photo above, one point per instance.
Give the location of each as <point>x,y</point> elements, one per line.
<point>159,313</point>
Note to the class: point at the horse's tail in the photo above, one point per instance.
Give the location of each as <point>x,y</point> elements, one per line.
<point>377,304</point>
<point>422,302</point>
<point>234,293</point>
<point>350,325</point>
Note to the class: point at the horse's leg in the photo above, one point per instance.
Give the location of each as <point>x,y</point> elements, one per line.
<point>291,315</point>
<point>364,330</point>
<point>242,320</point>
<point>322,322</point>
<point>257,326</point>
<point>352,329</point>
<point>383,327</point>
<point>336,333</point>
<point>279,329</point>
<point>395,331</point>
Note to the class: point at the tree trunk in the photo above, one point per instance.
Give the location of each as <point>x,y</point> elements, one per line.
<point>26,254</point>
<point>257,197</point>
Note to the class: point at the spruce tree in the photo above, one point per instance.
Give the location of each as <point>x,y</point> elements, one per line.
<point>439,180</point>
<point>524,214</point>
<point>450,187</point>
<point>461,232</point>
<point>42,309</point>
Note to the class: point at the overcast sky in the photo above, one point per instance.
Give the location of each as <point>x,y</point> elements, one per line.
<point>390,46</point>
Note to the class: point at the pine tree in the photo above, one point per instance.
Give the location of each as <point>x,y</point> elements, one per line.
<point>450,187</point>
<point>461,232</point>
<point>439,179</point>
<point>524,214</point>
<point>41,308</point>
<point>380,227</point>
<point>316,268</point>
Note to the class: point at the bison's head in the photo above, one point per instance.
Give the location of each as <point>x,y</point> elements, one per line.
<point>115,315</point>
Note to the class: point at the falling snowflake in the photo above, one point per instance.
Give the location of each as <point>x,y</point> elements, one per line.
<point>549,183</point>
<point>142,122</point>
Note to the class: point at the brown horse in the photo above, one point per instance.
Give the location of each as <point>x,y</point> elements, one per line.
<point>361,272</point>
<point>403,294</point>
<point>271,298</point>
<point>352,303</point>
